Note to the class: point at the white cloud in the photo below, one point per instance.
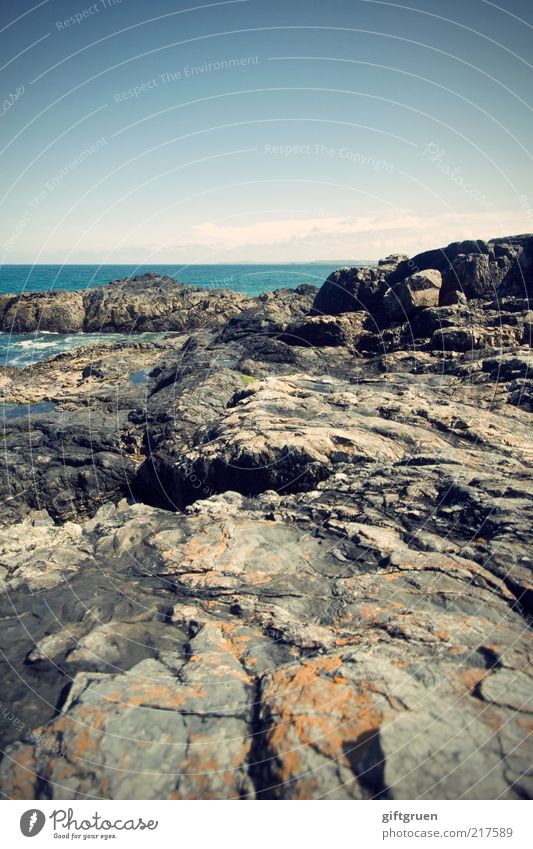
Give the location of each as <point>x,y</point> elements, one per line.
<point>362,236</point>
<point>289,230</point>
<point>284,239</point>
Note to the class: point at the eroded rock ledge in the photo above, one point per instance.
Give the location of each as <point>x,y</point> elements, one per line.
<point>284,553</point>
<point>148,302</point>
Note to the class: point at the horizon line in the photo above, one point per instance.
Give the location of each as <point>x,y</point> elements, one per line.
<point>186,264</point>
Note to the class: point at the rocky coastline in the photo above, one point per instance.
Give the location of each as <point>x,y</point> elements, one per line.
<point>283,552</point>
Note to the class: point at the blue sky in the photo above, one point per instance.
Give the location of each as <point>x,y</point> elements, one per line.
<point>261,131</point>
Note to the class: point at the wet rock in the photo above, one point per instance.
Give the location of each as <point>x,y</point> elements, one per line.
<point>93,371</point>
<point>65,462</point>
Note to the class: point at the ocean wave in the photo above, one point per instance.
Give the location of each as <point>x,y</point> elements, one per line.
<point>23,349</point>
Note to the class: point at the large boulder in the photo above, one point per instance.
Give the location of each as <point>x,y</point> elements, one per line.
<point>427,321</point>
<point>409,296</point>
<point>351,290</point>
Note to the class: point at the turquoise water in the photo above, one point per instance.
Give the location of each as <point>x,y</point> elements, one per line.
<point>22,349</point>
<point>250,279</point>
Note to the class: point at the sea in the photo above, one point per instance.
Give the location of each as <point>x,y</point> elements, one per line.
<point>22,349</point>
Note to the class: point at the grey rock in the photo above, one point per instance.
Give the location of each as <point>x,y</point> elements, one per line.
<point>145,303</point>
<point>454,339</point>
<point>324,331</point>
<point>271,570</point>
<point>416,292</point>
<point>351,290</point>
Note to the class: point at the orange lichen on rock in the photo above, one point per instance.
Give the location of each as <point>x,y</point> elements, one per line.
<point>310,706</point>
<point>470,678</point>
<point>20,779</point>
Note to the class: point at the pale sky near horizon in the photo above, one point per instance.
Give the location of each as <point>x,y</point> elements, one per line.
<point>261,131</point>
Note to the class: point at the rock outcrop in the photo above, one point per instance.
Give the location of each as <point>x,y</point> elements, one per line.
<point>470,270</point>
<point>145,303</point>
<point>403,300</point>
<point>281,553</point>
<point>149,303</point>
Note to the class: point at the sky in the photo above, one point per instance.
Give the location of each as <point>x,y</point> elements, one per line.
<point>261,130</point>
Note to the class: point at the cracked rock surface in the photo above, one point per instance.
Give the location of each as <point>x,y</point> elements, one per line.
<point>292,559</point>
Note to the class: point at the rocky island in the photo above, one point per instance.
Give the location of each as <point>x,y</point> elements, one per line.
<point>284,550</point>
